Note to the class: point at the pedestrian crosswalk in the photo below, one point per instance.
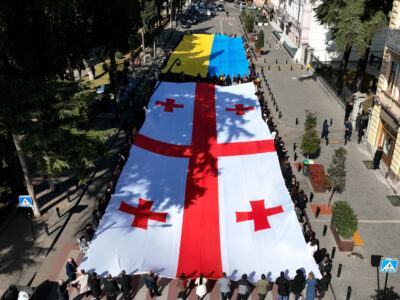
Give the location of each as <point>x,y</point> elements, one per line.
<point>226,18</point>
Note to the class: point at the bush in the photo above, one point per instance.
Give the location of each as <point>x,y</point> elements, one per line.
<point>344,219</point>
<point>311,121</point>
<point>118,55</point>
<point>260,40</point>
<point>317,178</point>
<point>310,142</point>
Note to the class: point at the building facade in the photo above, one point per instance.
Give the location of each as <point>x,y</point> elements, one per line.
<point>297,21</point>
<point>384,125</point>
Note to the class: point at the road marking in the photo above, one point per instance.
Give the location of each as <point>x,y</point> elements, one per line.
<point>230,24</point>
<point>220,22</point>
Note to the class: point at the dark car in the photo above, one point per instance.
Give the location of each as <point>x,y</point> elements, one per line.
<point>193,20</point>
<point>220,7</point>
<point>185,24</point>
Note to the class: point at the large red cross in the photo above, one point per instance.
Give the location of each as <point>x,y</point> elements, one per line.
<point>259,214</point>
<point>200,250</point>
<point>240,109</point>
<point>143,213</point>
<point>169,105</point>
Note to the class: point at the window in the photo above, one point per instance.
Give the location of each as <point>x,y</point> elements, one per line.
<point>392,76</point>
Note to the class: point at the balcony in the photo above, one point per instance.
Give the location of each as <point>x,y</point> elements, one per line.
<point>393,40</point>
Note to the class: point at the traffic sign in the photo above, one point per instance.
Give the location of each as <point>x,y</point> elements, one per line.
<point>25,201</point>
<point>389,265</point>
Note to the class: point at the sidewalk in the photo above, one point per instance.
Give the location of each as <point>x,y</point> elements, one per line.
<point>366,190</point>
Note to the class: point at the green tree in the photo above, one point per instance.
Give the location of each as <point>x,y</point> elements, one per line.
<point>354,24</point>
<point>249,22</point>
<point>310,140</point>
<point>311,121</point>
<point>260,40</point>
<point>337,172</point>
<point>30,69</point>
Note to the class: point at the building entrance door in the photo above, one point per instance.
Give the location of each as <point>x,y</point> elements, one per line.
<point>386,141</point>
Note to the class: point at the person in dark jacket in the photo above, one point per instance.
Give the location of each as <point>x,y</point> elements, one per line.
<point>71,269</point>
<point>378,157</point>
<point>62,290</point>
<point>323,284</point>
<point>298,285</point>
<point>150,280</point>
<point>348,130</point>
<point>283,287</point>
<point>325,130</point>
<point>126,285</point>
<point>95,286</point>
<point>111,288</point>
<point>243,288</point>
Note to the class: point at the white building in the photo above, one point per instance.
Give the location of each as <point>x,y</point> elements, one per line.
<point>297,27</point>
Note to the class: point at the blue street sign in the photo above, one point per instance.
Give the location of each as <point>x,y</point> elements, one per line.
<point>389,265</point>
<point>25,201</point>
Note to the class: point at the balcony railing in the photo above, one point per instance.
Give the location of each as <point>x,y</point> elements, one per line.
<point>393,39</point>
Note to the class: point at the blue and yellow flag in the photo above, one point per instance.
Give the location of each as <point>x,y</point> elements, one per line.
<point>215,54</point>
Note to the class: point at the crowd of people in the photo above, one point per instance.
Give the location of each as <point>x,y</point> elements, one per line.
<point>90,284</point>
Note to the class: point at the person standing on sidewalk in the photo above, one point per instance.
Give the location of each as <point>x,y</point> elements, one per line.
<point>182,286</point>
<point>224,287</point>
<point>62,290</point>
<point>325,130</point>
<point>298,285</point>
<point>150,280</point>
<point>111,288</point>
<point>243,288</point>
<point>71,269</point>
<point>311,283</point>
<point>83,285</point>
<point>95,286</point>
<point>283,287</point>
<point>126,285</point>
<point>201,284</point>
<point>262,287</point>
<point>348,131</point>
<point>378,157</point>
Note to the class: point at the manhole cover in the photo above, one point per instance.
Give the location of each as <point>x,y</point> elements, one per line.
<point>394,199</point>
<point>369,164</point>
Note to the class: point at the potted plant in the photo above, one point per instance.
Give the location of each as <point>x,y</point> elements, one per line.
<point>260,41</point>
<point>310,140</point>
<point>337,172</point>
<point>343,225</point>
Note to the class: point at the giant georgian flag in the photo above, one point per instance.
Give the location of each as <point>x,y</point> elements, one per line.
<point>202,192</point>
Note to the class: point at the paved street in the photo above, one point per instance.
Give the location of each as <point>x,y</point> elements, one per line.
<point>23,260</point>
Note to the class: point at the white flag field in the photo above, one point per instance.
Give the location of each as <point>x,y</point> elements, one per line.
<point>201,192</point>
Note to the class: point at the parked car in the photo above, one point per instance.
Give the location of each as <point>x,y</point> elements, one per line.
<point>185,24</point>
<point>251,7</point>
<point>193,20</point>
<point>211,12</point>
<point>202,11</point>
<point>220,7</point>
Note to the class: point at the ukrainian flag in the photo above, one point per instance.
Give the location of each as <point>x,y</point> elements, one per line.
<point>215,54</point>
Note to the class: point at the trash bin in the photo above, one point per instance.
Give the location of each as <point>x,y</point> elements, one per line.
<point>306,165</point>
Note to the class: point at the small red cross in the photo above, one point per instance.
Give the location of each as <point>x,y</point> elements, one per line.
<point>259,214</point>
<point>240,109</point>
<point>169,105</point>
<point>142,213</point>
